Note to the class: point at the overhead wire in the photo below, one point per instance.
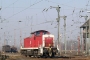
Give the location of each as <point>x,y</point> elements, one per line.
<point>10,4</point>
<point>62,4</point>
<point>40,23</point>
<point>32,25</point>
<point>73,11</point>
<point>77,16</point>
<point>77,19</point>
<point>45,10</point>
<point>45,18</point>
<point>76,13</point>
<point>36,24</point>
<point>24,9</point>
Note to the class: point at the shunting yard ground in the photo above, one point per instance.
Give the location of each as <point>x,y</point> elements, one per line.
<point>17,56</point>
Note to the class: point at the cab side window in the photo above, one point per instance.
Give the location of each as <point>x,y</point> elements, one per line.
<point>44,32</point>
<point>37,33</point>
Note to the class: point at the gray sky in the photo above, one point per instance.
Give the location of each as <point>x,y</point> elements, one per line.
<point>31,11</point>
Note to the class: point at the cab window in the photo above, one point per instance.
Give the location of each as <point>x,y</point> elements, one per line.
<point>44,32</point>
<point>37,33</point>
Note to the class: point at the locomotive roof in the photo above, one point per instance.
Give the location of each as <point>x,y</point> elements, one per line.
<point>39,31</point>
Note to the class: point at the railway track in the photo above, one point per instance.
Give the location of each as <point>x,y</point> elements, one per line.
<point>24,58</point>
<point>18,56</point>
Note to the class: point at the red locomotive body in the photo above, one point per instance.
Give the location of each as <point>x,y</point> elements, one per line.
<point>40,43</point>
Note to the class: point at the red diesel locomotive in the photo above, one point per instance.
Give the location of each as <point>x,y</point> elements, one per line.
<point>40,43</point>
